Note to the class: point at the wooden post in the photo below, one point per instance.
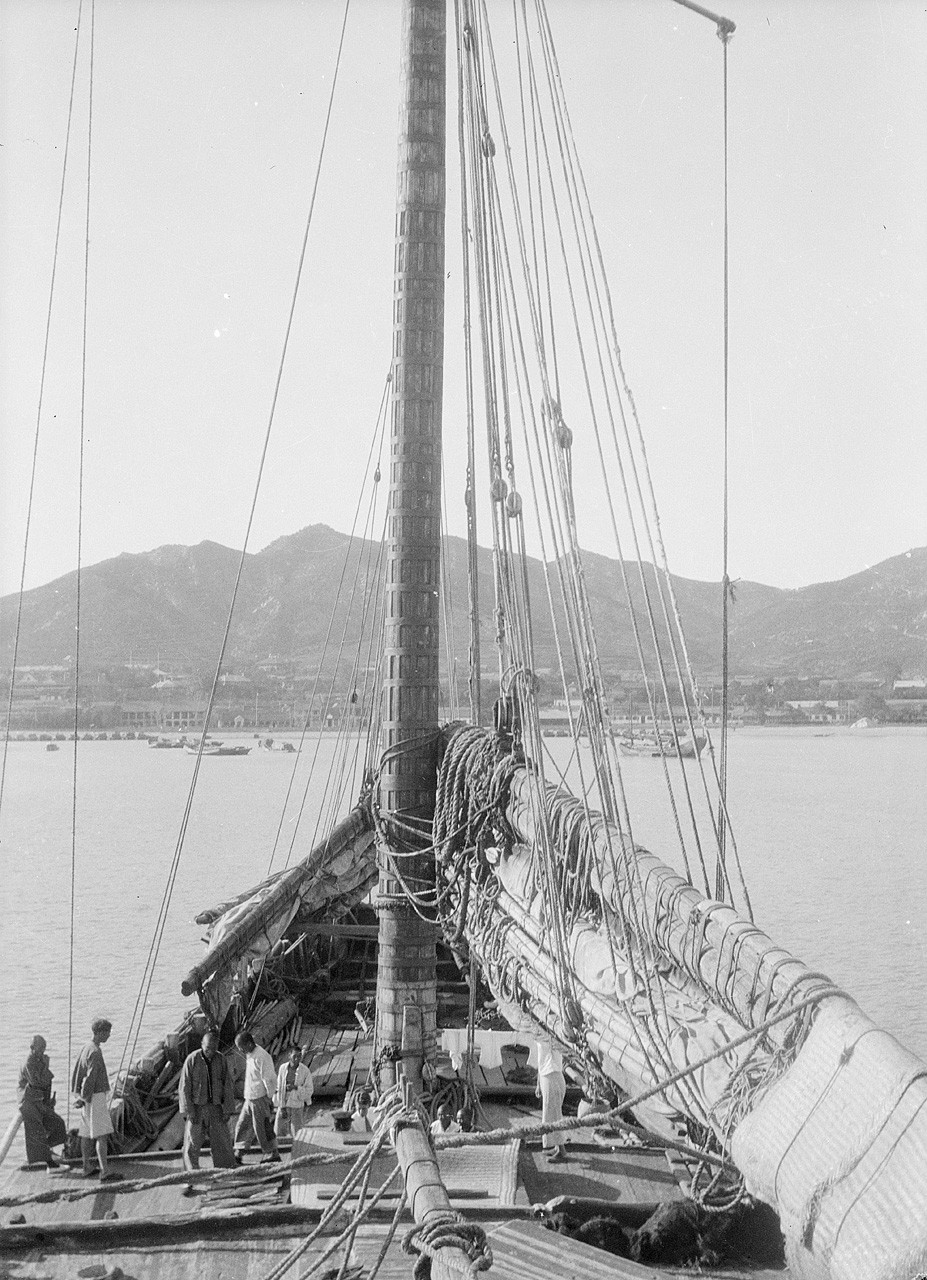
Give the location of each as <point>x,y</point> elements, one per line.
<point>428,1198</point>
<point>406,973</point>
<point>11,1131</point>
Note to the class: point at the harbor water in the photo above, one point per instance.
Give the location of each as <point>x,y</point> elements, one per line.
<point>830,827</point>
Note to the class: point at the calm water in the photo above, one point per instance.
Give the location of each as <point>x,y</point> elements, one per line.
<point>831,831</point>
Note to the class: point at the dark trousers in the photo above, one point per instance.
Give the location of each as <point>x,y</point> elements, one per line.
<point>208,1117</point>
<point>43,1128</point>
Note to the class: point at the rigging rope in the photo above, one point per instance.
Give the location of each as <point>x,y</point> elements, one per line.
<point>725,29</point>
<point>135,1023</point>
<point>41,401</point>
<point>368,545</point>
<point>377,436</point>
<point>82,427</point>
<point>560,882</point>
<point>725,37</point>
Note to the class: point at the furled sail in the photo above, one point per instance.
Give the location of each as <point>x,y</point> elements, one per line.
<point>824,1114</point>
<point>341,869</point>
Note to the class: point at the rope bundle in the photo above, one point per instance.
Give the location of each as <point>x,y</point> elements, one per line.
<point>447,1231</point>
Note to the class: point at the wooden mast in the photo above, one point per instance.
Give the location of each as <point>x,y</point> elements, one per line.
<point>406,994</point>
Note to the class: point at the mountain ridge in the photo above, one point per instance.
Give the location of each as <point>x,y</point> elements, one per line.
<point>173,600</point>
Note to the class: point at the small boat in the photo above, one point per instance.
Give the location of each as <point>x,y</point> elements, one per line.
<point>51,746</point>
<point>663,744</point>
<point>211,748</point>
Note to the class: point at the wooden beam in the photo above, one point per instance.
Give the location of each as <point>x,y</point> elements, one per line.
<point>108,1233</point>
<point>341,931</point>
<point>428,1198</point>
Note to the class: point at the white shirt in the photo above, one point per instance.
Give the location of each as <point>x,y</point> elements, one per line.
<point>550,1060</point>
<point>301,1094</point>
<point>361,1124</point>
<point>437,1129</point>
<point>260,1076</point>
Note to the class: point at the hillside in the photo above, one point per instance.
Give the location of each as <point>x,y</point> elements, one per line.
<point>172,603</point>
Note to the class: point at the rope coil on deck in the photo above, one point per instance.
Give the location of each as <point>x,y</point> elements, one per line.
<point>448,1231</point>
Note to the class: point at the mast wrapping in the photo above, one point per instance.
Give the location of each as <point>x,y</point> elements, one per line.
<point>406,978</point>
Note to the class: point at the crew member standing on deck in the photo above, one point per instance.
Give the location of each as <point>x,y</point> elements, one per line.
<point>293,1094</point>
<point>207,1099</point>
<point>551,1090</point>
<point>257,1111</point>
<point>42,1125</point>
<point>90,1086</point>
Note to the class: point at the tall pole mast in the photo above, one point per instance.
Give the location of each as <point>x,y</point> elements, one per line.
<point>406,992</point>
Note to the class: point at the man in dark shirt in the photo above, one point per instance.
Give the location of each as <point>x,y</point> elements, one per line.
<point>207,1098</point>
<point>43,1127</point>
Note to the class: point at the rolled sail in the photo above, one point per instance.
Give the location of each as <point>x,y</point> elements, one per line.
<point>642,978</point>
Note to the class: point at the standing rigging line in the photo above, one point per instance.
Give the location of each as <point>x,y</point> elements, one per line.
<point>378,434</point>
<point>569,163</point>
<point>725,37</point>
<point>80,534</point>
<point>474,681</point>
<point>361,572</point>
<point>41,400</point>
<point>725,30</point>
<point>138,1012</point>
<point>583,639</point>
<point>562,514</point>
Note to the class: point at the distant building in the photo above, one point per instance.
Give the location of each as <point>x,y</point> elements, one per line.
<point>816,711</point>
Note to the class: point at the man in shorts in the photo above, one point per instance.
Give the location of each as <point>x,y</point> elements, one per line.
<point>90,1086</point>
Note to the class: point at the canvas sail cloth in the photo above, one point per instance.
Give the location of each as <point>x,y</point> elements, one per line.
<point>340,870</point>
<point>827,1121</point>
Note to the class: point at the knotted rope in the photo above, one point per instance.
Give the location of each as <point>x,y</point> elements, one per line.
<point>448,1230</point>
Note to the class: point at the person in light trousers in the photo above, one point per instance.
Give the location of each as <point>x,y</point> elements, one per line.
<point>293,1095</point>
<point>551,1089</point>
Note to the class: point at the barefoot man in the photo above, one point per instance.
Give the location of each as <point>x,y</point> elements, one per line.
<point>90,1086</point>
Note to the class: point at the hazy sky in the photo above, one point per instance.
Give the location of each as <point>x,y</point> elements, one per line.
<point>207,117</point>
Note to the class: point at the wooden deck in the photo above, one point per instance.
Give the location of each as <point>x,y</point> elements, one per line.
<point>474,1176</point>
<point>240,1231</point>
<point>341,1060</point>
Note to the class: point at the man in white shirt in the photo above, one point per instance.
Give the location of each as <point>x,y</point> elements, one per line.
<point>445,1123</point>
<point>551,1090</point>
<point>293,1094</point>
<point>257,1111</point>
<point>360,1120</point>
